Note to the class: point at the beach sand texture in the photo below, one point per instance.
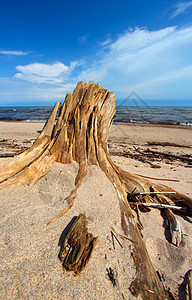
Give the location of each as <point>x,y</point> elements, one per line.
<point>30,268</point>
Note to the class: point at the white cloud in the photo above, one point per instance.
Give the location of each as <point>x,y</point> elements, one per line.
<point>52,93</point>
<point>83,39</point>
<point>106,42</point>
<point>17,53</point>
<point>169,77</point>
<point>128,53</point>
<point>29,92</point>
<point>139,58</point>
<point>151,63</point>
<point>45,73</point>
<point>181,7</point>
<point>140,38</point>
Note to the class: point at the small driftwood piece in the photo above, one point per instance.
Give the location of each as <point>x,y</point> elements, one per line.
<point>161,179</point>
<point>161,205</point>
<point>187,159</point>
<point>168,144</point>
<point>8,154</point>
<point>112,276</point>
<point>152,193</point>
<point>144,160</point>
<point>113,234</point>
<point>189,284</point>
<point>78,246</point>
<point>186,286</point>
<point>175,228</point>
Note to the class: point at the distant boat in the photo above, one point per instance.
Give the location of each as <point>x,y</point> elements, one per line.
<point>14,109</point>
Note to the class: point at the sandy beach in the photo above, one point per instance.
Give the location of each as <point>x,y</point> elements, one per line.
<point>30,267</point>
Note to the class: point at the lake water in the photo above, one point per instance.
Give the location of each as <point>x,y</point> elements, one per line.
<point>124,114</point>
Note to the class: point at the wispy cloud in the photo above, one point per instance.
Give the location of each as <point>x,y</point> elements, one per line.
<point>52,93</point>
<point>27,91</point>
<point>17,53</point>
<point>45,73</point>
<point>181,7</point>
<point>143,61</point>
<point>154,64</point>
<point>132,51</point>
<point>83,39</point>
<point>106,42</point>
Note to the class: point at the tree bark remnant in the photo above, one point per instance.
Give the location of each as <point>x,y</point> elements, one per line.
<point>77,246</point>
<point>80,134</point>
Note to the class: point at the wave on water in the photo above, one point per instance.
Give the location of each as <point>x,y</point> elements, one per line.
<point>25,114</point>
<point>162,115</point>
<point>9,119</point>
<point>124,114</point>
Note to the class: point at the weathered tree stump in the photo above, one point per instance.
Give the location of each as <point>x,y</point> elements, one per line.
<point>80,134</point>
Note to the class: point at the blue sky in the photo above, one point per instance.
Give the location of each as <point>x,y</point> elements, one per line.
<point>47,46</point>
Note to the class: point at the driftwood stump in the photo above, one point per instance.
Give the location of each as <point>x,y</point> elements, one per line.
<point>80,134</point>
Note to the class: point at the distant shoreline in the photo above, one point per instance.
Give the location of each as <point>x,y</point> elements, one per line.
<point>150,124</point>
<point>156,125</point>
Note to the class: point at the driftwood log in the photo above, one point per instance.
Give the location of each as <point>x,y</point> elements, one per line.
<point>80,134</point>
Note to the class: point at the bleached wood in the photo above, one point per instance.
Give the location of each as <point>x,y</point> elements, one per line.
<point>175,227</point>
<point>48,128</point>
<point>25,159</point>
<point>161,205</point>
